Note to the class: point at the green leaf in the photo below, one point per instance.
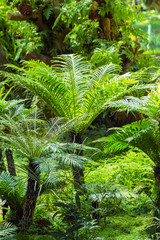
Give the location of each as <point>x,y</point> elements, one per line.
<point>47,11</point>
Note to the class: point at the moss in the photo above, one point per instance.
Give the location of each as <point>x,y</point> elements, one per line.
<point>125,228</point>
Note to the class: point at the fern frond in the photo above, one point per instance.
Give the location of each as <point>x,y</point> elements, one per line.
<point>147,105</point>
<point>29,136</point>
<point>101,73</point>
<point>7,229</point>
<point>72,90</point>
<point>142,134</point>
<point>11,189</point>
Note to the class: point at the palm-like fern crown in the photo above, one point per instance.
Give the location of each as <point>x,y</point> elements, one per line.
<point>72,89</point>
<point>144,134</point>
<point>148,105</point>
<point>37,140</point>
<point>28,136</point>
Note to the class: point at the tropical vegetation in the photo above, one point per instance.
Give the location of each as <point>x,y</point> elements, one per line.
<point>79,120</point>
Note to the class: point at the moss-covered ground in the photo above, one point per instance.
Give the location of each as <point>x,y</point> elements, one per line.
<point>125,228</point>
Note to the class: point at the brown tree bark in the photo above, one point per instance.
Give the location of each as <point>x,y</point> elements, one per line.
<point>105,22</point>
<point>26,13</point>
<point>35,17</point>
<point>31,197</point>
<point>12,171</point>
<point>106,25</point>
<point>2,165</point>
<point>52,39</point>
<point>3,168</point>
<point>157,189</point>
<point>37,56</point>
<point>10,162</point>
<point>3,59</point>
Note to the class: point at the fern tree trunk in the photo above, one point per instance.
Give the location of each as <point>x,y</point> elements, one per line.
<point>18,209</point>
<point>31,196</point>
<point>19,215</point>
<point>105,22</point>
<point>2,165</point>
<point>3,168</point>
<point>12,171</point>
<point>10,162</point>
<point>78,173</point>
<point>11,168</point>
<point>157,188</point>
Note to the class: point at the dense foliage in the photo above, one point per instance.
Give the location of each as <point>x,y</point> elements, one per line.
<point>73,72</point>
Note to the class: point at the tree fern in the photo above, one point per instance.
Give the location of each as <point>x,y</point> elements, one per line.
<point>72,90</point>
<point>147,105</point>
<point>142,134</point>
<point>35,139</point>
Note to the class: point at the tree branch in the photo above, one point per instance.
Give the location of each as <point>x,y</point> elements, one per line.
<point>35,17</point>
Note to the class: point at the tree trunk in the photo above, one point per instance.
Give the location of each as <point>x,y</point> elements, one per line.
<point>3,168</point>
<point>106,25</point>
<point>31,197</point>
<point>19,215</point>
<point>3,59</point>
<point>157,190</point>
<point>2,165</point>
<point>78,173</point>
<point>10,162</point>
<point>12,172</point>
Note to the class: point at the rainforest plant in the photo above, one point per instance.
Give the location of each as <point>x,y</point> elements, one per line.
<point>97,20</point>
<point>25,140</point>
<point>34,139</point>
<point>75,26</point>
<point>12,190</point>
<point>144,134</point>
<point>75,92</point>
<point>17,38</point>
<point>7,231</point>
